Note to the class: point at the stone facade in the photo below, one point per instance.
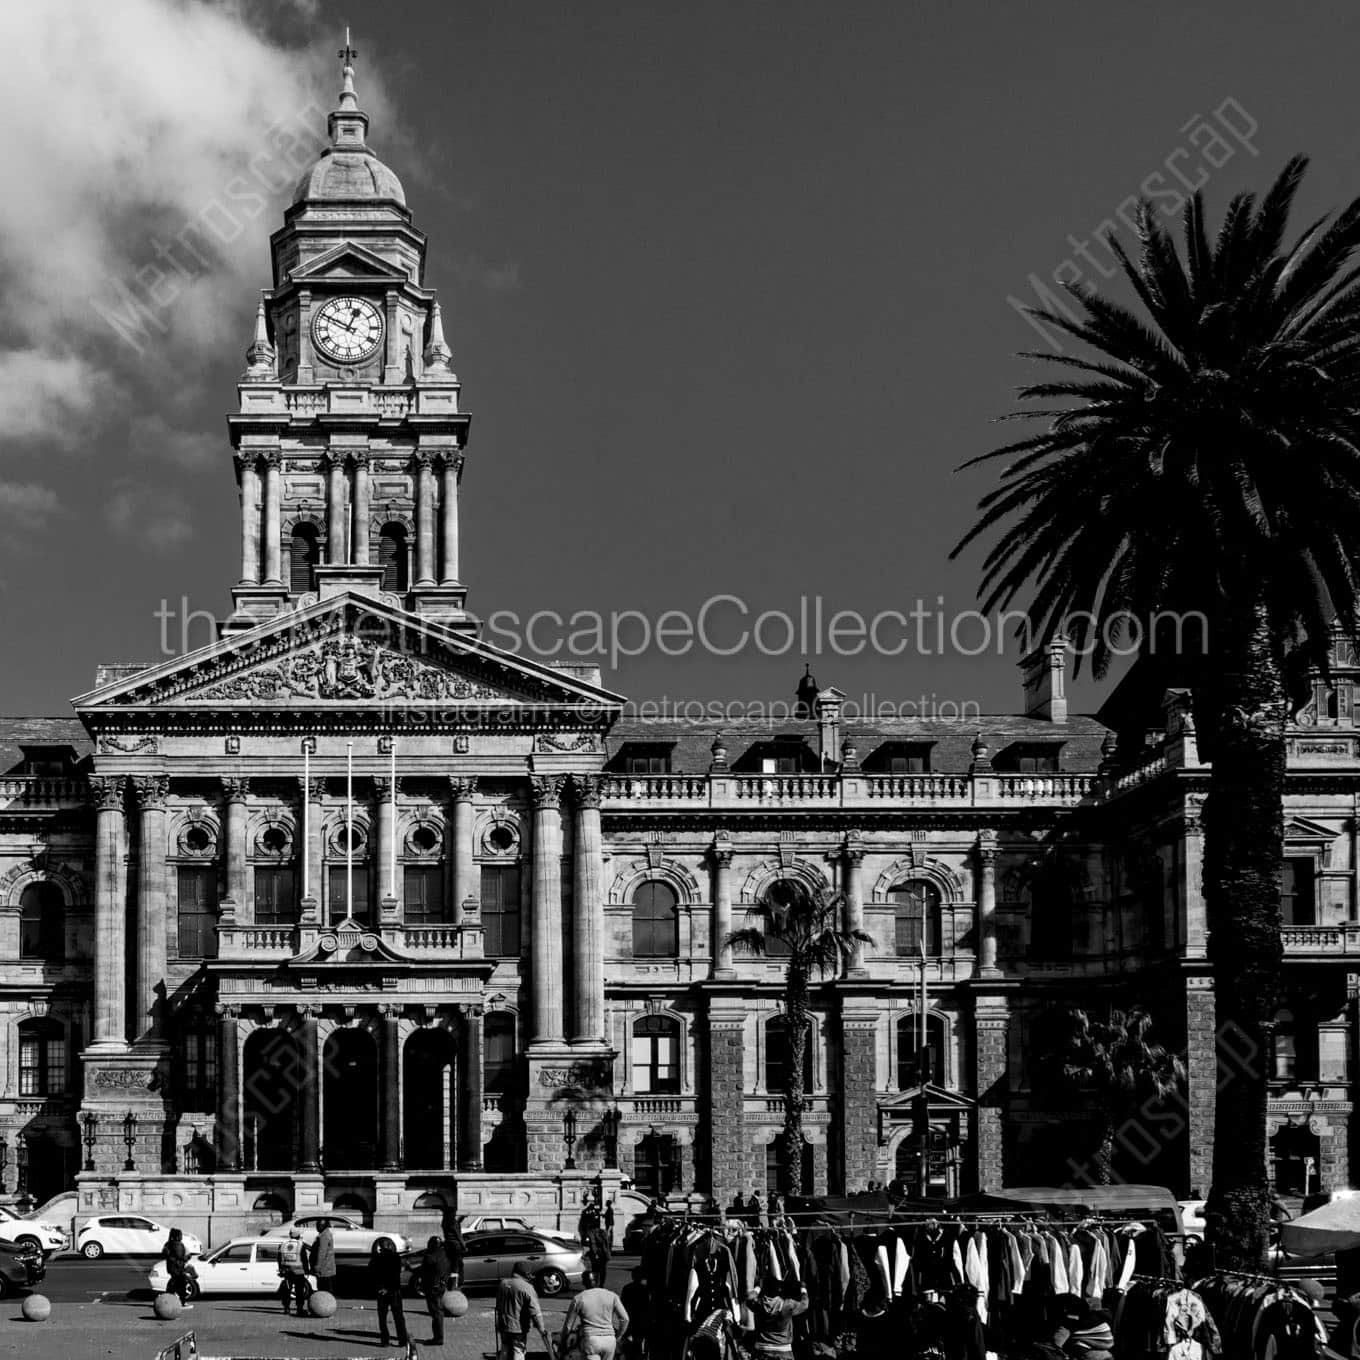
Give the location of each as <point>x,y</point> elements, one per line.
<point>350,908</point>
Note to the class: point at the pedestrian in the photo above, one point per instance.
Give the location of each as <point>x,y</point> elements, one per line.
<point>755,1211</point>
<point>384,1270</point>
<point>774,1307</point>
<point>589,1217</point>
<point>596,1322</point>
<point>609,1220</point>
<point>517,1310</point>
<point>434,1281</point>
<point>176,1257</point>
<point>455,1248</point>
<point>323,1257</point>
<point>637,1304</point>
<point>293,1263</point>
<point>598,1252</point>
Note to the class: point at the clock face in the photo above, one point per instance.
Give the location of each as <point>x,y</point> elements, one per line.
<point>347,329</point>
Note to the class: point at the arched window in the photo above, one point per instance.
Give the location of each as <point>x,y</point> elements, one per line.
<point>656,918</point>
<point>1294,1048</point>
<point>918,915</point>
<point>777,1055</point>
<point>392,557</point>
<point>909,1051</point>
<point>305,554</point>
<point>783,895</point>
<point>498,1053</point>
<point>656,1055</point>
<point>42,1058</point>
<point>194,1059</point>
<point>42,922</point>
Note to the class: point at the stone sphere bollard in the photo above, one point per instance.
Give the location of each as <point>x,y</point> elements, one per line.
<point>167,1307</point>
<point>322,1304</point>
<point>454,1302</point>
<point>36,1308</point>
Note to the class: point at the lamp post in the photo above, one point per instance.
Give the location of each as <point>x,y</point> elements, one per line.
<point>4,1162</point>
<point>130,1138</point>
<point>569,1136</point>
<point>21,1164</point>
<point>91,1123</point>
<point>611,1119</point>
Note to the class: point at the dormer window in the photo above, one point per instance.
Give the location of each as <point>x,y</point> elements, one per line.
<point>783,755</point>
<point>1038,757</point>
<point>779,764</point>
<point>899,757</point>
<point>644,757</point>
<point>46,762</point>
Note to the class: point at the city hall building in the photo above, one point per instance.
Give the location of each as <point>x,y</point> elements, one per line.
<point>352,909</point>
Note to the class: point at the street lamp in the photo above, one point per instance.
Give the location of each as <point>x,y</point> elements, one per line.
<point>4,1160</point>
<point>611,1119</point>
<point>91,1122</point>
<point>21,1164</point>
<point>569,1136</point>
<point>130,1138</point>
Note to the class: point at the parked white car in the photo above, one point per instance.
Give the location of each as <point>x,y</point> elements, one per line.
<point>351,1237</point>
<point>507,1223</point>
<point>47,1237</point>
<point>246,1265</point>
<point>127,1235</point>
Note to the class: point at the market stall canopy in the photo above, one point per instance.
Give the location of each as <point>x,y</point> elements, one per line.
<point>1333,1227</point>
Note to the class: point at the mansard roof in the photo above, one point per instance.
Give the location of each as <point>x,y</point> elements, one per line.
<point>16,733</point>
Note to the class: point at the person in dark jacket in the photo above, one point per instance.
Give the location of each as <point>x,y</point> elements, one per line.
<point>637,1301</point>
<point>434,1281</point>
<point>774,1309</point>
<point>176,1257</point>
<point>323,1257</point>
<point>455,1248</point>
<point>384,1269</point>
<point>598,1252</point>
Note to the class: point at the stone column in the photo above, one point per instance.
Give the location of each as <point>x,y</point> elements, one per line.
<point>359,529</point>
<point>545,931</point>
<point>310,902</point>
<point>469,1139</point>
<point>992,1084</point>
<point>335,507</point>
<point>986,903</point>
<point>448,511</point>
<point>250,519</point>
<point>856,1106</point>
<point>424,518</point>
<point>389,1083</point>
<point>110,913</point>
<point>228,1089</point>
<point>463,876</point>
<point>273,569</point>
<point>309,1103</point>
<point>588,909</point>
<point>234,791</point>
<point>389,893</point>
<point>721,855</point>
<point>853,856</point>
<point>1201,1024</point>
<point>150,792</point>
<point>729,1151</point>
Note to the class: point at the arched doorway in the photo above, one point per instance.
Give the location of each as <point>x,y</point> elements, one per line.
<point>1297,1154</point>
<point>349,1135</point>
<point>272,1075</point>
<point>428,1094</point>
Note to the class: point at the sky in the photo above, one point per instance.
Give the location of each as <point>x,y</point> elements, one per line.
<point>732,288</point>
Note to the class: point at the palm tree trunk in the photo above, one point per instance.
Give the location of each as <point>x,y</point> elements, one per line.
<point>1244,710</point>
<point>1103,1161</point>
<point>797,1005</point>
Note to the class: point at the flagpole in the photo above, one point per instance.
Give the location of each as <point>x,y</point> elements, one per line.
<point>392,839</point>
<point>306,817</point>
<point>349,831</point>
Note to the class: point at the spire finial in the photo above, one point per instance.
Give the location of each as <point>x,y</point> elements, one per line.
<point>437,352</point>
<point>347,55</point>
<point>261,354</point>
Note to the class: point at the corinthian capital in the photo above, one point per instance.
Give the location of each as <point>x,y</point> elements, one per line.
<point>107,791</point>
<point>150,791</point>
<point>462,789</point>
<point>234,790</point>
<point>546,790</point>
<point>585,790</point>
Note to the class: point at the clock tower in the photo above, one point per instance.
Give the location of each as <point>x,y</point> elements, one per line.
<point>349,441</point>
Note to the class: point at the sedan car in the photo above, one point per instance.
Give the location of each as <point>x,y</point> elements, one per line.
<point>351,1237</point>
<point>128,1235</point>
<point>21,1267</point>
<point>480,1223</point>
<point>45,1236</point>
<point>246,1265</point>
<point>555,1265</point>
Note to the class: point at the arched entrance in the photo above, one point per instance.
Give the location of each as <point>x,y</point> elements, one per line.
<point>1297,1153</point>
<point>272,1075</point>
<point>350,1131</point>
<point>427,1097</point>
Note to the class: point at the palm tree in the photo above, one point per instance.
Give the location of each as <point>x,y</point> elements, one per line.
<point>1115,1063</point>
<point>808,925</point>
<point>1205,460</point>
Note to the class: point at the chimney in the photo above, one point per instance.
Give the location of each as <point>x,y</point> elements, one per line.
<point>828,705</point>
<point>1044,672</point>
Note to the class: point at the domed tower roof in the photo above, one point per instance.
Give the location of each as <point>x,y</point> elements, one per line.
<point>347,168</point>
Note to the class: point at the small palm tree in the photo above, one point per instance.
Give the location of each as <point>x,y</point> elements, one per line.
<point>1115,1063</point>
<point>808,925</point>
<point>1202,460</point>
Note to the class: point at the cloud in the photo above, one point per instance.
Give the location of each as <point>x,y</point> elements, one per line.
<point>155,519</point>
<point>26,506</point>
<point>153,437</point>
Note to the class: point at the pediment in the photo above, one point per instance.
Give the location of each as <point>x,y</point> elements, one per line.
<point>348,263</point>
<point>347,653</point>
<point>347,944</point>
<point>937,1097</point>
<point>1302,829</point>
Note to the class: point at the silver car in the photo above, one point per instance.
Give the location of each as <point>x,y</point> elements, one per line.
<point>555,1265</point>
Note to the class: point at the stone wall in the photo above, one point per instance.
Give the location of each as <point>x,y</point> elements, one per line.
<point>729,1168</point>
<point>1202,1073</point>
<point>856,1108</point>
<point>992,1085</point>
